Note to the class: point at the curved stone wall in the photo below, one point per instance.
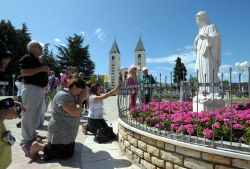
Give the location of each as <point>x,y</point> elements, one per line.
<point>154,152</point>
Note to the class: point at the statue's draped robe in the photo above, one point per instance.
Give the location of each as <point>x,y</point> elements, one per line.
<point>208,57</point>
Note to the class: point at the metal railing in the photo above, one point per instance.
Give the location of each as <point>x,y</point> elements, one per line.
<point>157,109</point>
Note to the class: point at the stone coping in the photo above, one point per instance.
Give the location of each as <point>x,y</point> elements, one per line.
<point>186,145</point>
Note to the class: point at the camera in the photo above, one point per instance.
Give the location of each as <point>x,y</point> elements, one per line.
<point>9,102</point>
<point>8,138</point>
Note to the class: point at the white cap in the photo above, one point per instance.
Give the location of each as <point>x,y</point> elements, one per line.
<point>144,68</point>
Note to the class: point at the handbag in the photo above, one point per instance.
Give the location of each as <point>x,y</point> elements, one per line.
<point>104,135</point>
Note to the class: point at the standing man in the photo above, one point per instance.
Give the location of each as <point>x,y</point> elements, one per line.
<point>146,80</point>
<point>35,78</point>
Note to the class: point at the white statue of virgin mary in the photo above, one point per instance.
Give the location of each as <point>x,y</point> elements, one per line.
<point>208,52</point>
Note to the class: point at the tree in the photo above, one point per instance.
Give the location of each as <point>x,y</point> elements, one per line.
<point>49,60</point>
<point>16,40</point>
<point>96,79</point>
<point>74,54</point>
<point>180,71</point>
<point>193,81</point>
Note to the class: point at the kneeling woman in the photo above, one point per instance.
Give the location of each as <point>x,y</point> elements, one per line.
<point>95,116</point>
<point>64,123</point>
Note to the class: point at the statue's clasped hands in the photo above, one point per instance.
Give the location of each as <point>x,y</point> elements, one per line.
<point>202,37</point>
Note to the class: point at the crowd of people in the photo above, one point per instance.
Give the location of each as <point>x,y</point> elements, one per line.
<point>69,97</point>
<point>37,86</point>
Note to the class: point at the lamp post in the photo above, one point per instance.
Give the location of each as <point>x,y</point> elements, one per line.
<point>242,66</point>
<point>13,83</point>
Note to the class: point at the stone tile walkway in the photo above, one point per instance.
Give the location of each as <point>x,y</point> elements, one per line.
<point>88,154</point>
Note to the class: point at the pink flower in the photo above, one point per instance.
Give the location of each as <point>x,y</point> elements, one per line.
<point>248,122</point>
<point>148,119</point>
<point>242,139</point>
<point>181,129</point>
<point>205,119</point>
<point>158,125</point>
<point>208,133</point>
<point>189,128</point>
<point>216,125</point>
<point>238,126</point>
<point>174,127</point>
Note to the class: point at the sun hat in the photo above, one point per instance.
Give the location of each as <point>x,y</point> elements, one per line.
<point>144,68</point>
<point>133,67</point>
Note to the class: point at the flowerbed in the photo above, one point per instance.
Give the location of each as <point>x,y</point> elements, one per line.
<point>179,117</point>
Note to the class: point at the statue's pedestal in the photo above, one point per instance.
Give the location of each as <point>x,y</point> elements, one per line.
<point>207,103</point>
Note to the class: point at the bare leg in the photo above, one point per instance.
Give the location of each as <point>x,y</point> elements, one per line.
<point>35,148</point>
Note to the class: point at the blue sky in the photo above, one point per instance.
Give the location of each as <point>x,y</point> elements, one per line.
<point>167,28</point>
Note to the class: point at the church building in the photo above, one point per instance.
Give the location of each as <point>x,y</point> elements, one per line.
<point>116,74</point>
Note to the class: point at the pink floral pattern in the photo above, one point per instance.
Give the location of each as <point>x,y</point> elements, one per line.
<point>179,117</point>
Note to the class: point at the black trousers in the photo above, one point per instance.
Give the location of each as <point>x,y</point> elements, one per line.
<point>95,124</point>
<point>52,151</point>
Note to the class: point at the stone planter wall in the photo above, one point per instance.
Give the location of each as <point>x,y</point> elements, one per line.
<point>154,152</point>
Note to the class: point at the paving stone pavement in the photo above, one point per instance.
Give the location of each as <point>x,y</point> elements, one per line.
<point>88,154</point>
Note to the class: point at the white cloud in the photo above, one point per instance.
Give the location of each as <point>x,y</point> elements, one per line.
<point>100,34</point>
<point>186,57</point>
<point>97,31</point>
<point>189,47</point>
<point>57,40</point>
<point>235,76</point>
<point>224,68</point>
<point>63,44</point>
<point>165,65</point>
<point>82,32</point>
<point>190,67</point>
<point>228,53</point>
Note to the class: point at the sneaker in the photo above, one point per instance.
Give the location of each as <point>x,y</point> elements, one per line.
<point>26,148</point>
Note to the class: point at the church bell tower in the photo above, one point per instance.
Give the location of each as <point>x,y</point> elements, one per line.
<point>114,65</point>
<point>140,56</point>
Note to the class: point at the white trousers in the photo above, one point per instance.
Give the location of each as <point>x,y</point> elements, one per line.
<point>33,99</point>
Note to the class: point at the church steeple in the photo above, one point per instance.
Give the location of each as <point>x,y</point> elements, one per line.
<point>114,48</point>
<point>114,65</point>
<point>139,46</point>
<point>140,56</point>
